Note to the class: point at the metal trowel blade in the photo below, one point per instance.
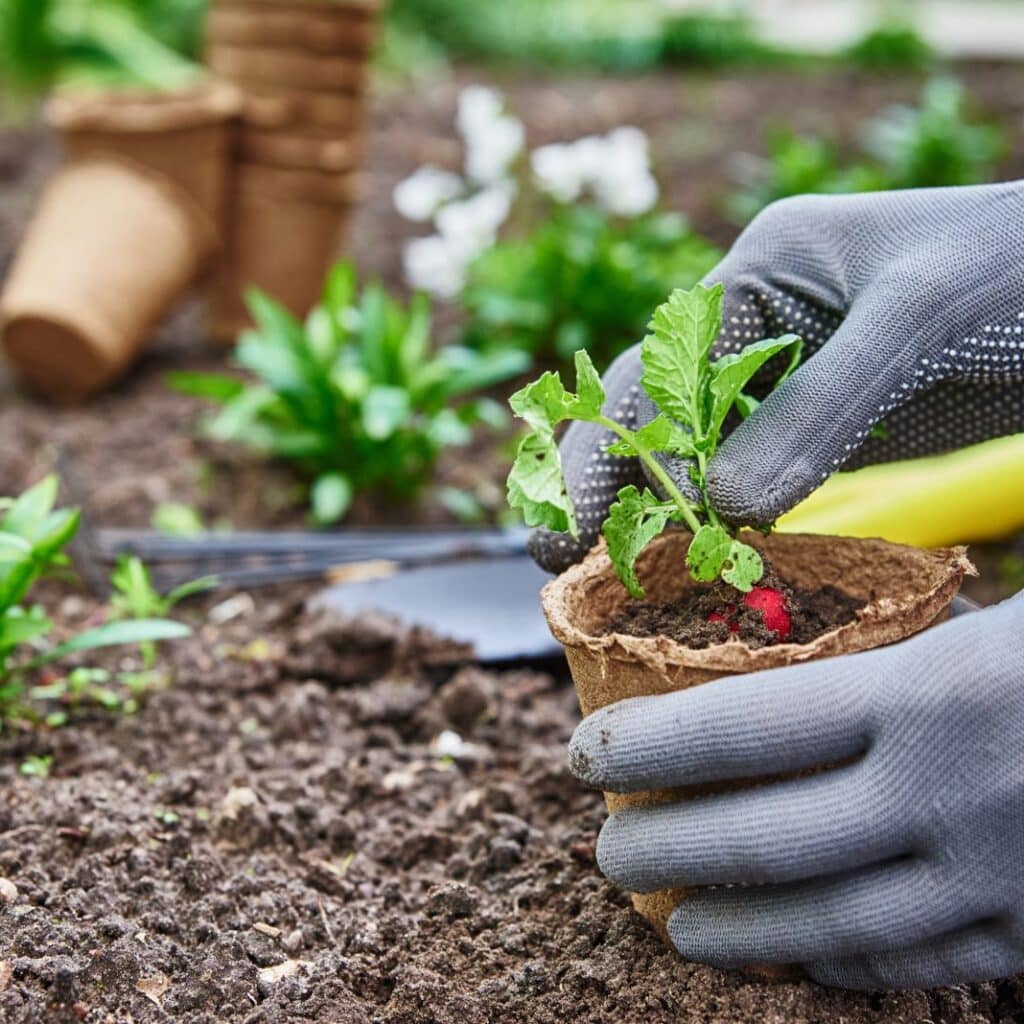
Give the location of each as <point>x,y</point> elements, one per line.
<point>491,603</point>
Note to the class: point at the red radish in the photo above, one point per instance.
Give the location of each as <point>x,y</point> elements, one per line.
<point>771,603</point>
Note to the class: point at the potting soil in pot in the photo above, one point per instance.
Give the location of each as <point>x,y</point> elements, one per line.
<point>704,616</point>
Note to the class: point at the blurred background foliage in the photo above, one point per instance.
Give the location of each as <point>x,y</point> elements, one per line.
<point>153,41</point>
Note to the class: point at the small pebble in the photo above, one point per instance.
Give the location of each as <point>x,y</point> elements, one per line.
<point>8,891</point>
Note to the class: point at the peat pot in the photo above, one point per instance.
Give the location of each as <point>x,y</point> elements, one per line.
<point>906,590</point>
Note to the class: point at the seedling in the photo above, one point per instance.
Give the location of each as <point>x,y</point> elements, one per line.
<point>694,396</point>
<point>135,597</point>
<point>33,535</point>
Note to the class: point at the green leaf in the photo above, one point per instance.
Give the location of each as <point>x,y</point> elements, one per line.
<point>708,553</point>
<point>28,510</point>
<point>744,568</point>
<point>633,522</point>
<point>330,497</point>
<point>217,387</point>
<point>114,634</point>
<point>543,403</point>
<point>675,353</point>
<point>176,519</point>
<point>19,625</point>
<point>536,485</point>
<point>589,389</point>
<point>731,374</point>
<point>385,410</point>
<point>714,553</point>
<point>660,435</point>
<point>189,589</point>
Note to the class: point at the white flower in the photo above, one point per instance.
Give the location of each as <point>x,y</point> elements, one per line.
<point>624,184</point>
<point>493,139</point>
<point>436,265</point>
<point>418,196</point>
<point>591,152</point>
<point>478,106</point>
<point>492,148</point>
<point>474,222</point>
<point>629,197</point>
<point>557,170</point>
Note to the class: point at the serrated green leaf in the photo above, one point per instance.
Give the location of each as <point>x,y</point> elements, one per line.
<point>731,374</point>
<point>536,485</point>
<point>544,403</point>
<point>634,520</point>
<point>744,567</point>
<point>660,435</point>
<point>675,352</point>
<point>589,389</point>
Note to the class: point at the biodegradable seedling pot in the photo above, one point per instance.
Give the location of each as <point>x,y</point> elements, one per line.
<point>109,249</point>
<point>905,589</point>
<point>308,113</point>
<point>334,28</point>
<point>285,229</point>
<point>261,66</point>
<point>301,152</point>
<point>181,137</point>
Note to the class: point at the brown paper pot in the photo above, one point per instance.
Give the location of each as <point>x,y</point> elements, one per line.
<point>906,590</point>
<point>285,231</point>
<point>302,152</point>
<point>183,137</point>
<point>334,28</point>
<point>315,113</point>
<point>108,251</point>
<point>261,66</point>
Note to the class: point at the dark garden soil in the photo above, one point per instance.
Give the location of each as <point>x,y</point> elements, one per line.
<point>284,834</point>
<point>709,615</point>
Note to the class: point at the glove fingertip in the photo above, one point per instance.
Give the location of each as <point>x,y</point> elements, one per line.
<point>554,552</point>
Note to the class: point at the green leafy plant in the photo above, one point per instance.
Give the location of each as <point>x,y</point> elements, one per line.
<point>618,34</point>
<point>713,40</point>
<point>893,45</point>
<point>33,536</point>
<point>694,396</point>
<point>582,279</point>
<point>934,143</point>
<point>355,399</point>
<point>37,766</point>
<point>798,165</point>
<point>99,42</point>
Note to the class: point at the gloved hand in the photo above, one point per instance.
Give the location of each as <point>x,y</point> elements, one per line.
<point>902,869</point>
<point>912,308</point>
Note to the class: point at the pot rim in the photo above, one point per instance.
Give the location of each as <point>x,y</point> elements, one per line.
<point>138,110</point>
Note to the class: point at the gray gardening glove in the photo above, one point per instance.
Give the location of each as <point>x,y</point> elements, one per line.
<point>912,307</point>
<point>902,869</point>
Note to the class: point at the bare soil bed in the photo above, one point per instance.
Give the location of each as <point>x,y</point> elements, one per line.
<point>276,837</point>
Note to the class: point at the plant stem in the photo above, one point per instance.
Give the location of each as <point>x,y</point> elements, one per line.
<point>645,455</point>
<point>702,465</point>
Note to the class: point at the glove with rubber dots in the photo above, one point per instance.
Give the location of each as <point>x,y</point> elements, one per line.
<point>903,868</point>
<point>911,305</point>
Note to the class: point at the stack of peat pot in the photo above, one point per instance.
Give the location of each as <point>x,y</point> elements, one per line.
<point>131,220</point>
<point>302,66</point>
